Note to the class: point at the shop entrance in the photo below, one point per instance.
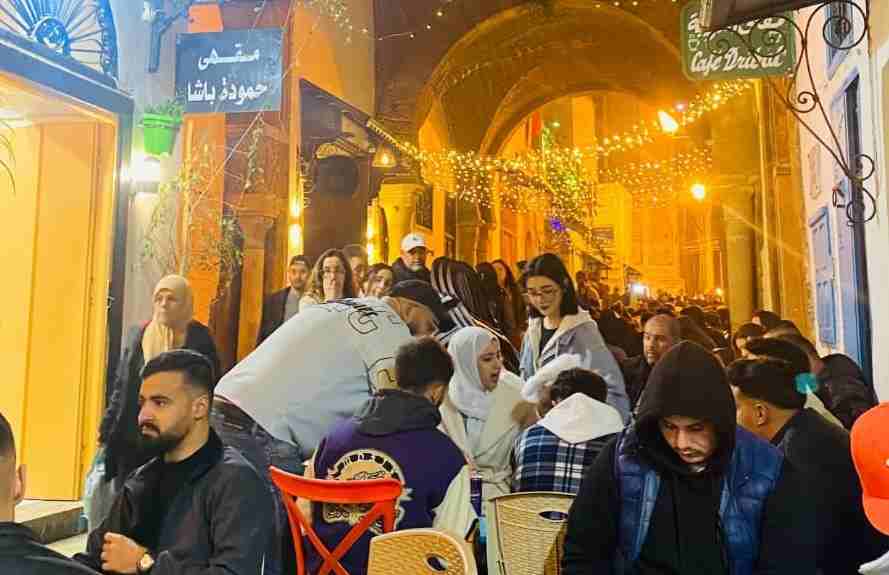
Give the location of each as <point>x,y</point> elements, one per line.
<point>56,226</point>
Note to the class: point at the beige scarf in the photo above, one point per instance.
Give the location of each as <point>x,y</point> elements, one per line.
<point>164,334</point>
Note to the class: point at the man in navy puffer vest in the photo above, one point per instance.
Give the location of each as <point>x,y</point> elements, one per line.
<point>685,491</point>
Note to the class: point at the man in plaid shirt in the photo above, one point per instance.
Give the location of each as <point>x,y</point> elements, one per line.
<point>553,454</point>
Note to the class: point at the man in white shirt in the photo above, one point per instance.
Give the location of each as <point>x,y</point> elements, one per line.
<point>278,402</point>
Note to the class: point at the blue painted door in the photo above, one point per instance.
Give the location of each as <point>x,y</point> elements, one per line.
<point>851,257</point>
<point>825,298</point>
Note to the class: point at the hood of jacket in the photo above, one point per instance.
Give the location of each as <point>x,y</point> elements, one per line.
<point>581,418</point>
<point>688,381</point>
<point>532,390</point>
<point>839,365</point>
<point>395,411</point>
<point>569,322</point>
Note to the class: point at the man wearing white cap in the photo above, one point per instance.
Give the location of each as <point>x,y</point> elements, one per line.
<point>412,263</point>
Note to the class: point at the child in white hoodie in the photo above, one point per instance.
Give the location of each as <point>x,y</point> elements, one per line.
<point>575,425</point>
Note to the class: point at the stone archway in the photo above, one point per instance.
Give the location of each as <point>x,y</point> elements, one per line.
<point>518,60</point>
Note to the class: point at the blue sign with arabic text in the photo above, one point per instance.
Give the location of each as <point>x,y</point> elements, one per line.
<point>224,72</point>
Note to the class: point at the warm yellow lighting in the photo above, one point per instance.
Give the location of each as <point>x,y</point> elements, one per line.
<point>146,170</point>
<point>699,192</point>
<point>370,232</point>
<point>295,208</point>
<point>668,124</point>
<point>371,253</point>
<point>296,235</point>
<point>384,158</point>
<point>719,292</point>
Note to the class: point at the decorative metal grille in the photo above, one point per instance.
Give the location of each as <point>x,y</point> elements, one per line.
<point>82,30</point>
<point>843,25</point>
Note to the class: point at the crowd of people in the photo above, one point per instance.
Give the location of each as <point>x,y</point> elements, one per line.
<point>689,447</point>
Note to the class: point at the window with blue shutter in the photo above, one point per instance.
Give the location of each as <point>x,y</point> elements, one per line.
<point>825,299</point>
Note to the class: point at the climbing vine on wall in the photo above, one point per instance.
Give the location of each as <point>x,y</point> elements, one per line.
<point>186,230</point>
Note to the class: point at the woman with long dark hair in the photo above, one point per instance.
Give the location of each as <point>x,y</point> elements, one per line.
<point>460,282</point>
<point>487,274</point>
<point>558,326</point>
<point>515,314</point>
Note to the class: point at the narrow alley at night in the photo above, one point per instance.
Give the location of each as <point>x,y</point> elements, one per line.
<point>506,287</point>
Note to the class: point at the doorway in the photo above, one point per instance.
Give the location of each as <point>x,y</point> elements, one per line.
<point>55,222</point>
<point>851,254</point>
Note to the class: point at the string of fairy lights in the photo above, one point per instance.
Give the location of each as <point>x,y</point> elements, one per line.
<point>658,182</point>
<point>555,180</point>
<point>338,12</point>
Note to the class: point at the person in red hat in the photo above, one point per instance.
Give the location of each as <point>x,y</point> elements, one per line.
<point>870,452</point>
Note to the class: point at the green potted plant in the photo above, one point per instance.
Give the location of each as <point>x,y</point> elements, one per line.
<point>160,125</point>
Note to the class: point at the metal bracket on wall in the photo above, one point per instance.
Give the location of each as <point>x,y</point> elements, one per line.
<point>155,14</point>
<point>839,31</point>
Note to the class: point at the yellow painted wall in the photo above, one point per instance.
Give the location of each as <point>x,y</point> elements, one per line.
<point>657,253</point>
<point>320,54</point>
<point>616,210</point>
<point>56,228</point>
<point>434,137</point>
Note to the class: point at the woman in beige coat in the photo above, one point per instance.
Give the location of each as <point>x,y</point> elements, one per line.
<point>483,412</point>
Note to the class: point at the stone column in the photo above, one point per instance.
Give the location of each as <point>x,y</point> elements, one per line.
<point>256,218</point>
<point>737,161</point>
<point>398,200</point>
<point>740,247</point>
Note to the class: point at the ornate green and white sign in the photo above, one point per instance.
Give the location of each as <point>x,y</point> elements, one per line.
<point>755,49</point>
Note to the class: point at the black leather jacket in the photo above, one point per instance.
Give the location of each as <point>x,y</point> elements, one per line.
<point>218,523</point>
<point>22,554</point>
<point>119,429</point>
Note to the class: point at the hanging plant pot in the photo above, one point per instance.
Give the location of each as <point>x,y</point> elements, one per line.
<point>159,133</point>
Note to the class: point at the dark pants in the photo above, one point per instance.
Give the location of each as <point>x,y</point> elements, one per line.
<point>238,430</point>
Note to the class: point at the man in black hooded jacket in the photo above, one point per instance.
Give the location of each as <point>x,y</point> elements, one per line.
<point>684,491</point>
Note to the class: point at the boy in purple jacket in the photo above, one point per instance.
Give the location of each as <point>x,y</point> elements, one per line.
<point>394,435</point>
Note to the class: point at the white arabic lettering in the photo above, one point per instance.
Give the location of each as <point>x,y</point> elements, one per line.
<point>228,92</point>
<point>239,58</point>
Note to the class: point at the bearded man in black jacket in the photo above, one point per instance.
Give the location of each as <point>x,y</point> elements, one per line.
<point>199,507</point>
<point>683,491</point>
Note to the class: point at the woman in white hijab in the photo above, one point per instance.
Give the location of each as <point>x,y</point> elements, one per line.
<point>483,412</point>
<point>172,326</point>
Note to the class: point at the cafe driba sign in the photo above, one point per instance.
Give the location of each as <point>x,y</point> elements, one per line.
<point>224,72</point>
<point>726,54</point>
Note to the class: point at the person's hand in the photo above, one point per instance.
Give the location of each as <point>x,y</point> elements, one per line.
<point>121,554</point>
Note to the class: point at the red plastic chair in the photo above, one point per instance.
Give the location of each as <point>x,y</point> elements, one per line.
<point>383,493</point>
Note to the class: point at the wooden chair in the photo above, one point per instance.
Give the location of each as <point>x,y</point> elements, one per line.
<point>420,552</point>
<point>530,531</point>
<point>381,493</point>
